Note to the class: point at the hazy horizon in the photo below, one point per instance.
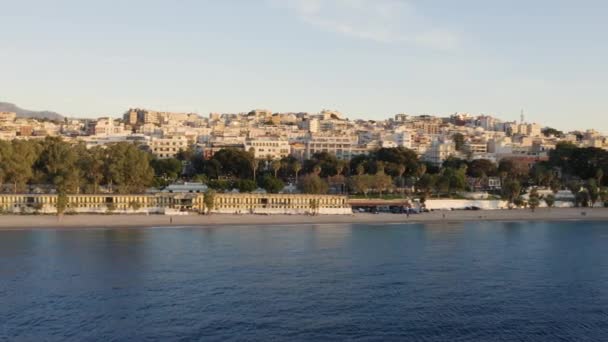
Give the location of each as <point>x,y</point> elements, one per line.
<point>369,59</point>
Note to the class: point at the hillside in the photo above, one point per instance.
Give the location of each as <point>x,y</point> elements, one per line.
<point>25,113</point>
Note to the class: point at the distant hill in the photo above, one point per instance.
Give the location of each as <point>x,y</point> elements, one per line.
<point>24,113</point>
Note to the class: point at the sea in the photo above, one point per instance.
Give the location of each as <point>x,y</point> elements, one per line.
<point>475,281</point>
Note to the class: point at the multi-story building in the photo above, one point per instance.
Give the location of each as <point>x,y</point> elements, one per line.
<point>476,147</point>
<point>343,147</point>
<point>105,127</point>
<point>269,148</point>
<point>168,147</point>
<point>439,151</point>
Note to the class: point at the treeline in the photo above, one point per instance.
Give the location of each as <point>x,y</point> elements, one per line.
<point>69,168</point>
<point>125,168</point>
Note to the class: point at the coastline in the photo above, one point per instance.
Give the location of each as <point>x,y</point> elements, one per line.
<point>31,222</point>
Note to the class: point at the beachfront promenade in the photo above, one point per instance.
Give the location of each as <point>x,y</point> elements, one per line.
<point>441,218</point>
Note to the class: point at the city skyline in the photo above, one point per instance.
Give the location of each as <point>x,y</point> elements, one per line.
<point>521,118</point>
<point>368,59</point>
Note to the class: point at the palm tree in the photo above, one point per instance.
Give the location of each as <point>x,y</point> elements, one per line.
<point>276,166</point>
<point>284,166</point>
<point>255,163</point>
<point>401,171</point>
<point>297,167</point>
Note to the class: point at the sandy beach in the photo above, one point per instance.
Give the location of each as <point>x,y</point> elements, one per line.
<point>8,222</point>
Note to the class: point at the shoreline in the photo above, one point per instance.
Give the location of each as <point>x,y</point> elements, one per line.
<point>79,222</point>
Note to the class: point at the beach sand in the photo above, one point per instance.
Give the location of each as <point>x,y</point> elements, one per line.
<point>9,222</point>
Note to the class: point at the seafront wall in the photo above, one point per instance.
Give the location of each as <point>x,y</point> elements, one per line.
<point>447,204</point>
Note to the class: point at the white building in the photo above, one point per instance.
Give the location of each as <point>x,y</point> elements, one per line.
<point>404,139</point>
<point>168,147</point>
<point>439,152</point>
<point>107,127</point>
<point>342,147</point>
<point>271,148</point>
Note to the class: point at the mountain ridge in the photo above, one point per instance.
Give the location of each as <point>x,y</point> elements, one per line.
<point>26,113</point>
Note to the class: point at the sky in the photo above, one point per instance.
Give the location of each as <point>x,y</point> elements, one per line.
<point>366,58</point>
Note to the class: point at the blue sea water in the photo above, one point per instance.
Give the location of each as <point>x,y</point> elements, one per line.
<point>527,281</point>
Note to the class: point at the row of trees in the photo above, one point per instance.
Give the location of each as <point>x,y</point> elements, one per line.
<point>125,168</point>
<point>580,170</point>
<point>121,167</point>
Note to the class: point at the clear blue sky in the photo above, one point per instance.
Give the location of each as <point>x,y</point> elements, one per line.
<point>366,58</point>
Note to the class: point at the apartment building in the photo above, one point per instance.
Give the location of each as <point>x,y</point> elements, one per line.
<point>106,127</point>
<point>268,148</point>
<point>169,146</point>
<point>342,147</point>
<point>439,151</point>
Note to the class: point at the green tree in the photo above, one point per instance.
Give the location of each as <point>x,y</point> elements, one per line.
<point>128,169</point>
<point>58,164</point>
<point>593,190</point>
<point>209,201</point>
<point>534,199</point>
<point>233,163</point>
<point>323,163</point>
<point>92,163</point>
<point>246,185</point>
<point>519,202</point>
<point>552,132</point>
<point>550,200</point>
<point>255,163</point>
<point>604,196</point>
<point>5,158</point>
<point>542,174</point>
<point>426,184</point>
<point>555,185</point>
<point>169,169</point>
<point>272,184</point>
<point>275,165</point>
<point>360,184</point>
<point>18,168</point>
<point>392,159</point>
<point>313,184</point>
<point>479,168</point>
<point>220,184</point>
<point>511,189</point>
<point>381,181</point>
<point>297,167</point>
<point>62,203</point>
<point>575,188</point>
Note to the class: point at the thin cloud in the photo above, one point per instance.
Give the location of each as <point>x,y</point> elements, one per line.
<point>383,21</point>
